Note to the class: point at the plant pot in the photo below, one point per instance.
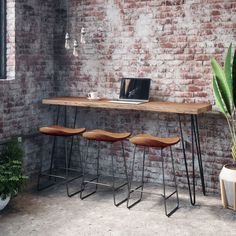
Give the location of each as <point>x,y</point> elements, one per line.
<point>4,202</point>
<point>228,186</point>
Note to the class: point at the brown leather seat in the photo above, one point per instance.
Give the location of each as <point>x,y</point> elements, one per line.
<point>57,130</point>
<point>148,140</point>
<point>102,135</point>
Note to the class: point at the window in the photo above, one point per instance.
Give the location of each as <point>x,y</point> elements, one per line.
<point>2,39</point>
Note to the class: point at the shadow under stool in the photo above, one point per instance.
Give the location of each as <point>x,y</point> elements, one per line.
<point>54,172</point>
<point>107,137</point>
<point>147,141</point>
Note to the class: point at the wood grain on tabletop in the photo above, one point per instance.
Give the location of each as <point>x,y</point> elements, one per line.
<point>155,106</point>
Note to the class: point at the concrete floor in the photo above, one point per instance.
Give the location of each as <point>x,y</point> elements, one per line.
<point>51,212</point>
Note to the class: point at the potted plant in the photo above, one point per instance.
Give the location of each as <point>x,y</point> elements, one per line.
<point>11,177</point>
<point>224,90</point>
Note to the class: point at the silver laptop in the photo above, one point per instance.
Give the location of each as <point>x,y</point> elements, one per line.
<point>134,90</point>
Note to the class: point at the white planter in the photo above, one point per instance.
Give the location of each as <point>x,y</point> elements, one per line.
<point>228,186</point>
<point>4,202</point>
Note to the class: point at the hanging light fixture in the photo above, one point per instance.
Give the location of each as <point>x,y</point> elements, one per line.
<point>67,36</point>
<point>82,31</point>
<point>67,41</point>
<point>75,50</point>
<point>82,35</point>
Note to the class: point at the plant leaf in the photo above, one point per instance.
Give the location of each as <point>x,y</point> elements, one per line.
<point>234,77</point>
<point>218,98</point>
<point>225,92</point>
<point>228,70</point>
<point>233,150</point>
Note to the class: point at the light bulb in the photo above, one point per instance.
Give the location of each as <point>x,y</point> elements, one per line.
<point>67,41</point>
<point>75,51</point>
<point>82,36</point>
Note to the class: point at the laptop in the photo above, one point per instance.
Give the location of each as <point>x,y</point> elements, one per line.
<point>134,90</point>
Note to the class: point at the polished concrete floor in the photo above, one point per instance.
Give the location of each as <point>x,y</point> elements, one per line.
<point>51,212</point>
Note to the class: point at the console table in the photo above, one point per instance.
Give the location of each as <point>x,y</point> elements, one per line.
<point>191,109</point>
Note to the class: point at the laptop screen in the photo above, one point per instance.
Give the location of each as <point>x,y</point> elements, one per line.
<point>135,88</point>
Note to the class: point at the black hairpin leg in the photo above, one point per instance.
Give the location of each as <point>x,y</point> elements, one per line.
<point>193,160</point>
<point>72,138</point>
<point>185,162</point>
<point>198,149</point>
<point>195,141</point>
<point>54,143</point>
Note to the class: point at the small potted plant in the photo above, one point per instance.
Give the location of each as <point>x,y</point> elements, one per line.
<point>224,90</point>
<point>11,177</point>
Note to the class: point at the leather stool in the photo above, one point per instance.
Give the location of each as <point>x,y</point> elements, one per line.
<point>108,137</point>
<point>149,141</point>
<point>60,131</point>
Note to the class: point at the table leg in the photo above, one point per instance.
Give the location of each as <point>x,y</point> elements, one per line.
<point>192,199</point>
<point>72,138</point>
<point>54,141</point>
<point>198,147</point>
<point>195,142</point>
<point>58,113</point>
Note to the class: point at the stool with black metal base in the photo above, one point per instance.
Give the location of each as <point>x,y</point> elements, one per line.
<point>60,131</point>
<point>108,137</point>
<point>149,141</point>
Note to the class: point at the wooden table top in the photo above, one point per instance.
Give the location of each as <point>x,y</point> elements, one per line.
<point>153,106</point>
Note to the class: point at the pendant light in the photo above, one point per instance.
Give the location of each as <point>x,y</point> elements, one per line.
<point>82,35</point>
<point>67,36</point>
<point>82,31</point>
<point>68,43</point>
<point>75,50</point>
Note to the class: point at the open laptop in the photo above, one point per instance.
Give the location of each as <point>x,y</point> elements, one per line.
<point>134,90</point>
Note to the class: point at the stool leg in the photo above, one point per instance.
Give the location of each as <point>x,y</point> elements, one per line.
<point>52,154</point>
<point>80,157</point>
<point>71,147</point>
<point>84,183</point>
<point>67,168</point>
<point>98,164</point>
<point>164,187</point>
<point>40,171</point>
<point>144,153</point>
<point>173,169</point>
<point>131,179</point>
<point>50,169</point>
<point>115,189</point>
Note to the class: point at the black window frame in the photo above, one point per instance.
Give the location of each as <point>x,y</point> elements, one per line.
<point>2,39</point>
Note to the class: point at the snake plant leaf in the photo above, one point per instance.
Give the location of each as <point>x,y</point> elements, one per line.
<point>225,92</point>
<point>218,98</point>
<point>234,78</point>
<point>228,70</point>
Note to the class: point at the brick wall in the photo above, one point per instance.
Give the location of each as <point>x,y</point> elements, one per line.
<point>169,41</point>
<point>30,75</point>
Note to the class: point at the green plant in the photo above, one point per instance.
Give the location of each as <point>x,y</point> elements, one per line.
<point>11,177</point>
<point>224,89</point>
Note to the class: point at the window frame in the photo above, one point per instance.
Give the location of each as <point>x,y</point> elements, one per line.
<point>3,39</point>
